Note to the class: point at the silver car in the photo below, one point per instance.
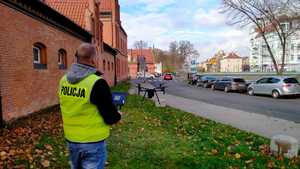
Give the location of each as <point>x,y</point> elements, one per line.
<point>275,86</point>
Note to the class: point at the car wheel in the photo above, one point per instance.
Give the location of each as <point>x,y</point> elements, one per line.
<point>213,87</point>
<point>226,89</point>
<point>250,92</point>
<point>275,94</point>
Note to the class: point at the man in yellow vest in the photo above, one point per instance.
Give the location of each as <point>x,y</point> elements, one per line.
<point>87,111</point>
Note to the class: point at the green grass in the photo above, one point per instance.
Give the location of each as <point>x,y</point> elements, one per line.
<point>146,138</point>
<point>152,138</point>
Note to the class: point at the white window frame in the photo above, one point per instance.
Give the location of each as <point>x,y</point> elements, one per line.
<point>60,58</point>
<point>39,55</point>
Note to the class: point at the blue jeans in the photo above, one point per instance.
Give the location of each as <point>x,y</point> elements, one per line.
<point>87,156</point>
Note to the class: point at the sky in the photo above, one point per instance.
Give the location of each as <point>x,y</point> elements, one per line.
<point>160,22</point>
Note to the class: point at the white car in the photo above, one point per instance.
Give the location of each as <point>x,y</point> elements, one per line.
<point>141,75</point>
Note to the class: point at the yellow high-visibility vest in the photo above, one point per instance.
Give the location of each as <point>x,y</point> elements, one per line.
<point>82,121</point>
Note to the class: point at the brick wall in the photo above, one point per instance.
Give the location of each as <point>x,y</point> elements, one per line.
<point>108,69</point>
<point>23,88</point>
<point>122,70</point>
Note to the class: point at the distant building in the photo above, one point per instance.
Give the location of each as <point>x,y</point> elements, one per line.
<point>246,64</point>
<point>140,60</point>
<point>232,63</point>
<point>260,59</point>
<point>158,67</point>
<point>213,64</point>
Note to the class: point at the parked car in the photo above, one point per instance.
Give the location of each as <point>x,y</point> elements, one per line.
<point>142,75</point>
<point>206,81</point>
<point>275,86</point>
<point>190,78</point>
<point>230,84</point>
<point>157,74</point>
<point>195,79</point>
<point>168,76</point>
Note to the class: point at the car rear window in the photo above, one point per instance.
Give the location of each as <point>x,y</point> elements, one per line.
<point>290,80</point>
<point>211,78</point>
<point>239,80</point>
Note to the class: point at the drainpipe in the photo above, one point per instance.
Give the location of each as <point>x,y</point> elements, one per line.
<point>1,114</point>
<point>115,79</point>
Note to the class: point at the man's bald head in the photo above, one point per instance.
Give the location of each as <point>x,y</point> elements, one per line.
<point>85,52</point>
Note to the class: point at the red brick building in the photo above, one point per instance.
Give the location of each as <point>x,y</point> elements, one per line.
<point>114,35</point>
<point>86,14</point>
<point>37,45</point>
<point>136,56</point>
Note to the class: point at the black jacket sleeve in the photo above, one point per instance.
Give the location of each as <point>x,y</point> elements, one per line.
<point>101,96</point>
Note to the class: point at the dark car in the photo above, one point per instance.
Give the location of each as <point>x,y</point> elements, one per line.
<point>168,76</point>
<point>206,81</point>
<point>193,78</point>
<point>230,84</point>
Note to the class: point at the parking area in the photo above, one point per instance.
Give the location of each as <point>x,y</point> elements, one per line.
<point>287,108</point>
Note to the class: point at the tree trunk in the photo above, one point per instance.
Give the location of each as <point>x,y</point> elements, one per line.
<point>271,54</point>
<point>283,57</point>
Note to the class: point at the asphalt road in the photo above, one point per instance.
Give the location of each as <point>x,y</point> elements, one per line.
<point>286,108</point>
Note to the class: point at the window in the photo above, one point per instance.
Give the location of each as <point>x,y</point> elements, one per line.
<point>273,80</point>
<point>290,80</point>
<point>105,14</point>
<point>262,81</point>
<point>108,66</point>
<point>239,80</point>
<point>112,66</point>
<point>36,55</point>
<point>285,27</point>
<point>62,59</point>
<point>39,56</point>
<point>104,64</point>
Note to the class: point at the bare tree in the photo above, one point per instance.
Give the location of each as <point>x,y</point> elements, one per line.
<point>267,16</point>
<point>140,44</point>
<point>181,51</point>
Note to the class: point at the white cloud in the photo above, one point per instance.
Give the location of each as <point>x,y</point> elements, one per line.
<point>206,28</point>
<point>210,18</point>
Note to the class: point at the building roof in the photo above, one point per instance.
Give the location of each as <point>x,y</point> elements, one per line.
<point>73,9</point>
<point>232,55</point>
<point>38,10</point>
<point>147,53</point>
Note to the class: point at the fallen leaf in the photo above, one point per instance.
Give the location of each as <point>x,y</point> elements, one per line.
<point>214,151</point>
<point>45,163</point>
<point>237,156</point>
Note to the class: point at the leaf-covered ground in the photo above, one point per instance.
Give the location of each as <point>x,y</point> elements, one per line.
<point>148,138</point>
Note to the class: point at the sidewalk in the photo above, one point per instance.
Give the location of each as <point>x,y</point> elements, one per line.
<point>256,123</point>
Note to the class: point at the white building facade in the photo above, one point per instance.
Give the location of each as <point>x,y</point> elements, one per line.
<point>158,68</point>
<point>231,63</point>
<point>260,59</point>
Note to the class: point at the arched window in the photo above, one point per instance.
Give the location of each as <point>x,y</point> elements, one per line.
<point>39,56</point>
<point>112,66</point>
<point>108,66</point>
<point>62,59</point>
<point>104,64</point>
